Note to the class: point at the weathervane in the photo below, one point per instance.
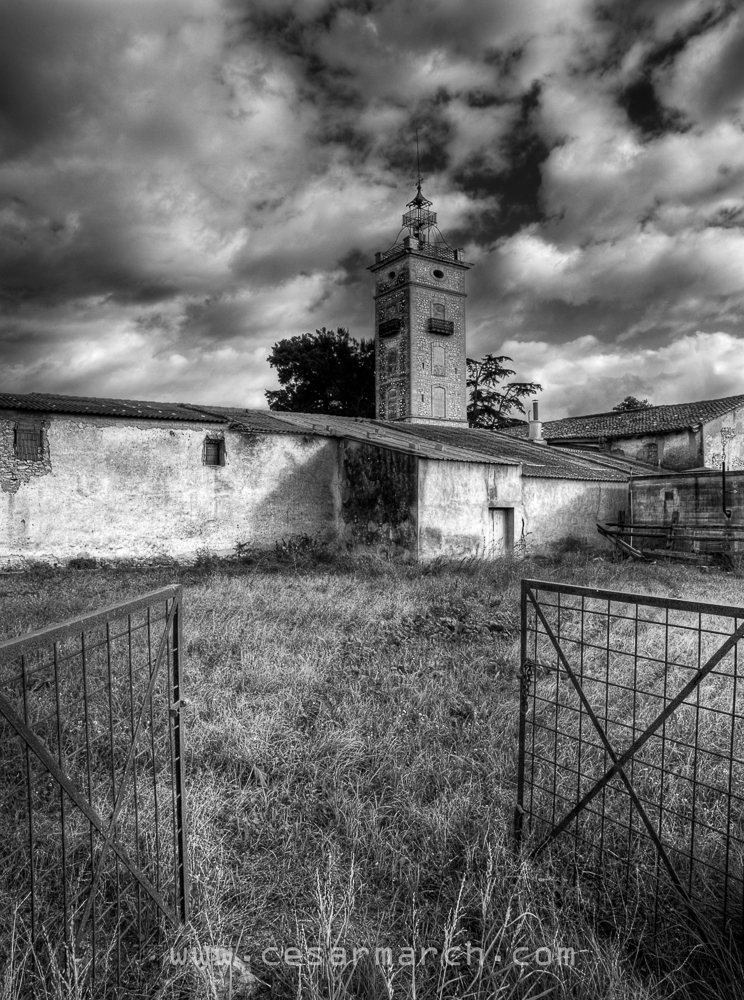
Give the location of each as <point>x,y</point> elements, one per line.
<point>418,166</point>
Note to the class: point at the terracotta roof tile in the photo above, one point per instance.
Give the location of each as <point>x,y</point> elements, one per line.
<point>626,423</point>
<point>538,461</point>
<point>132,408</point>
<point>462,444</point>
<point>257,421</point>
<point>391,435</point>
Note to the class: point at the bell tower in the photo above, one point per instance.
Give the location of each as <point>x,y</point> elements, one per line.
<point>420,324</point>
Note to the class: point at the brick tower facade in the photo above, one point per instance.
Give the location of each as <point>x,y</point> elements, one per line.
<point>420,325</point>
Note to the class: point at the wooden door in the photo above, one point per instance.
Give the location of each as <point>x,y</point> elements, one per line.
<point>500,532</point>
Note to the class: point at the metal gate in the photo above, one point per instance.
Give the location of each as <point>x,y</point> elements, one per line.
<point>93,861</point>
<point>631,751</point>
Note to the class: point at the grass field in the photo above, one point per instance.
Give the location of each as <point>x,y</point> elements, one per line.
<point>351,779</point>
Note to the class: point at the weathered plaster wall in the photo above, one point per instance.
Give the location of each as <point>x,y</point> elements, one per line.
<point>673,450</point>
<point>378,496</point>
<point>453,506</point>
<point>122,489</point>
<point>725,432</point>
<point>558,508</point>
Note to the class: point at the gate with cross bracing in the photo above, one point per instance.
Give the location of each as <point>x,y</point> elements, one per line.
<point>631,753</point>
<point>93,861</point>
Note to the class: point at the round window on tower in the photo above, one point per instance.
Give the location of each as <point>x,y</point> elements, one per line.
<point>391,275</point>
<point>437,273</point>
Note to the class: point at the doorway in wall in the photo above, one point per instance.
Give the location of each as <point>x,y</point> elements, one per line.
<point>500,539</point>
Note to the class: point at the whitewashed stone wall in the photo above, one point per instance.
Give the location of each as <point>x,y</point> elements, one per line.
<point>111,488</point>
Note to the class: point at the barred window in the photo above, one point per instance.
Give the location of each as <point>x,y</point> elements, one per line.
<point>214,451</point>
<point>28,442</point>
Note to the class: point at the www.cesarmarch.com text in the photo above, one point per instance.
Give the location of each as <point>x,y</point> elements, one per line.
<point>454,957</point>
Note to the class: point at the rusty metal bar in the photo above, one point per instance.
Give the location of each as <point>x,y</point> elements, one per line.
<point>102,693</point>
<point>46,636</point>
<point>111,831</point>
<point>35,744</point>
<point>566,768</point>
<point>617,765</point>
<point>524,686</point>
<point>645,737</point>
<point>182,874</point>
<point>649,600</point>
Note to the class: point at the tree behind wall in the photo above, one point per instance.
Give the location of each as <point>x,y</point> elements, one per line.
<point>631,403</point>
<point>325,372</point>
<point>491,403</point>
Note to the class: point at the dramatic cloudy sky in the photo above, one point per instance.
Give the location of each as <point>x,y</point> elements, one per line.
<point>184,182</point>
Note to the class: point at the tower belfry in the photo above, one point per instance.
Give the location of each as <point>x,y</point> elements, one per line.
<point>418,219</point>
<point>420,324</point>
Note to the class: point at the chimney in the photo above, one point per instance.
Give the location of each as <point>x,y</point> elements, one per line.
<point>535,433</point>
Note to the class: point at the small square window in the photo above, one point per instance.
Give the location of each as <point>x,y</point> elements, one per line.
<point>28,442</point>
<point>214,451</point>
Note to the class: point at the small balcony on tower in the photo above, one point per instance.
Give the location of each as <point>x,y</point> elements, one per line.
<point>389,327</point>
<point>445,327</point>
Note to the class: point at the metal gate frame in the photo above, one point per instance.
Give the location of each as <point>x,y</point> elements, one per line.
<point>43,662</point>
<point>539,626</point>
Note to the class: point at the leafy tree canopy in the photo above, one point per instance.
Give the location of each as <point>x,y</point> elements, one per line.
<point>631,403</point>
<point>324,372</point>
<point>490,401</point>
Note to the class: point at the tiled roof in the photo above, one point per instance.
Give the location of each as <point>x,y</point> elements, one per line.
<point>391,435</point>
<point>461,444</point>
<point>630,466</point>
<point>133,408</point>
<point>626,423</point>
<point>538,461</point>
<point>257,421</point>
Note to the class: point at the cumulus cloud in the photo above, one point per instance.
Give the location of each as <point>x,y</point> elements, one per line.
<point>184,182</point>
<point>586,376</point>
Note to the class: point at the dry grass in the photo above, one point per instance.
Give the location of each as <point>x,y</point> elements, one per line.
<point>351,774</point>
